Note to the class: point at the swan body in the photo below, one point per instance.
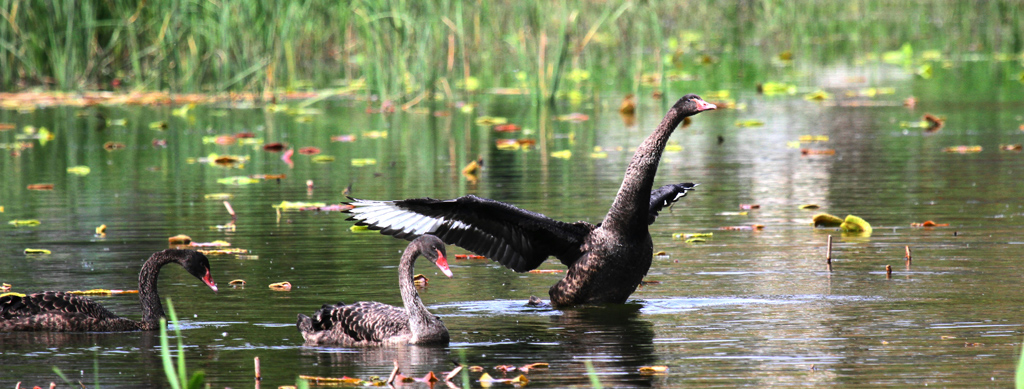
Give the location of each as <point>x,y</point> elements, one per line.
<point>606,261</point>
<point>61,311</point>
<point>369,323</point>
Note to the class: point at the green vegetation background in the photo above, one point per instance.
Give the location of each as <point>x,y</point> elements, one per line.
<point>399,49</point>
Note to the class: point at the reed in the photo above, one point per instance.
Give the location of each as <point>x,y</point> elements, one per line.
<point>177,377</point>
<point>456,48</point>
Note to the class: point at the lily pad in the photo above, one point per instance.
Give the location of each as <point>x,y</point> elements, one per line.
<point>855,224</point>
<point>826,220</point>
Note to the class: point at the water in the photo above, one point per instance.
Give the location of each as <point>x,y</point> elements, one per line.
<point>745,308</point>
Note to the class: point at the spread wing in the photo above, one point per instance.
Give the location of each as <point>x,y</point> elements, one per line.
<point>16,306</point>
<point>518,239</point>
<point>665,196</point>
<point>363,321</point>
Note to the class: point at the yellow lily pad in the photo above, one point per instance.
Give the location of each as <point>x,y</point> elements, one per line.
<point>79,170</point>
<point>855,224</point>
<point>363,161</point>
<point>37,251</point>
<point>563,154</point>
<point>24,222</point>
<point>826,220</point>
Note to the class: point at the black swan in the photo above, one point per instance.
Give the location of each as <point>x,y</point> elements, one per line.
<point>369,323</point>
<point>60,311</point>
<point>606,262</point>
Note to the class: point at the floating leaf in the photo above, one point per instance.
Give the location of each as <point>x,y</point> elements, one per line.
<point>826,220</point>
<point>538,365</point>
<point>79,170</point>
<point>962,149</point>
<point>506,144</point>
<point>2,295</point>
<point>268,176</point>
<point>231,251</point>
<point>573,117</point>
<point>375,134</point>
<point>238,282</point>
<point>343,138</point>
<point>810,206</point>
<point>323,159</point>
<point>179,239</point>
<point>332,380</point>
<point>298,205</point>
<point>161,125</point>
<point>547,271</point>
<point>40,187</point>
<point>749,123</point>
<point>219,196</point>
<point>564,154</point>
<point>487,380</point>
<point>216,243</point>
<point>420,279</point>
<point>507,127</point>
<point>599,155</point>
<point>490,120</point>
<point>693,235</point>
<point>750,206</point>
<point>24,222</point>
<point>37,251</point>
<point>363,161</point>
<point>813,138</point>
<point>929,223</point>
<point>731,213</point>
<point>1013,147</point>
<point>817,96</point>
<point>274,147</point>
<point>469,256</point>
<point>752,227</point>
<point>855,224</point>
<point>360,229</point>
<point>696,240</point>
<point>309,151</point>
<point>653,369</point>
<point>777,88</point>
<point>281,286</point>
<point>673,148</point>
<point>101,230</point>
<point>111,146</point>
<point>103,292</point>
<point>237,180</point>
<point>817,152</point>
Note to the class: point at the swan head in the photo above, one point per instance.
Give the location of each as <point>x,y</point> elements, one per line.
<point>692,104</point>
<point>195,263</point>
<point>433,248</point>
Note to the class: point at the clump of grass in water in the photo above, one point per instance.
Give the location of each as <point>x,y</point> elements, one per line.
<point>1020,370</point>
<point>594,381</point>
<point>177,376</point>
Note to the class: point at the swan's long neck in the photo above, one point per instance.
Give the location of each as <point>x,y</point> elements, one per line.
<point>630,208</point>
<point>418,314</point>
<point>152,309</point>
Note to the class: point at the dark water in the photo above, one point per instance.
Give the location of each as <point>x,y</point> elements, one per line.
<point>745,308</point>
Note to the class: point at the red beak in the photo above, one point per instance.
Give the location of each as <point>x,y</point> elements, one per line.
<point>442,263</point>
<point>208,279</point>
<point>704,105</point>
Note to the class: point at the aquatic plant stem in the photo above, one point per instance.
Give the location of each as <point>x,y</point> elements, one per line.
<point>828,254</point>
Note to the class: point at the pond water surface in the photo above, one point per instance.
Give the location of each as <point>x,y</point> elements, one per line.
<point>744,308</point>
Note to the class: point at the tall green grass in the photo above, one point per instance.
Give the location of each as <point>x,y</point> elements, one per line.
<point>404,48</point>
<point>177,376</point>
